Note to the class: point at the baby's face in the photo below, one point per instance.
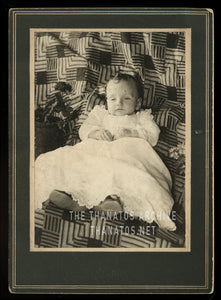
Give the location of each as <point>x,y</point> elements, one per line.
<point>122,97</point>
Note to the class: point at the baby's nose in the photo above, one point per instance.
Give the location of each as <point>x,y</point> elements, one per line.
<point>119,100</point>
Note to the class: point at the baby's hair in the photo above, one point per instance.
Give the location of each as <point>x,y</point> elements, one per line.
<point>136,79</point>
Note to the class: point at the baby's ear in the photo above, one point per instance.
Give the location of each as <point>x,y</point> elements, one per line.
<point>139,102</point>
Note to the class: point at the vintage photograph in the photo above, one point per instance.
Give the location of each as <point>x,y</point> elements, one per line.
<point>110,113</point>
<point>111,163</point>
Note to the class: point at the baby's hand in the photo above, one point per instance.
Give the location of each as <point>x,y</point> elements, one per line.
<point>102,134</point>
<point>105,135</point>
<point>126,132</point>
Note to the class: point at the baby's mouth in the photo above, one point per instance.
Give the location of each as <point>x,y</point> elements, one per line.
<point>119,112</point>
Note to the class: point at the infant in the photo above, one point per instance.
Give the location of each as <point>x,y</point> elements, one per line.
<point>115,157</point>
<point>123,117</point>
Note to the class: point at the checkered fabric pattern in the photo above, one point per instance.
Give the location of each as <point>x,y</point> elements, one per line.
<point>87,60</point>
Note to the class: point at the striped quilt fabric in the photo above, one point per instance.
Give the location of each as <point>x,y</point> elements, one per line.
<point>59,229</point>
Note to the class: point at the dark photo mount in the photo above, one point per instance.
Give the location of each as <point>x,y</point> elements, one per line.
<point>126,272</point>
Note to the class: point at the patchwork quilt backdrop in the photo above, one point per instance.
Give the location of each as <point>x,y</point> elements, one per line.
<point>87,60</point>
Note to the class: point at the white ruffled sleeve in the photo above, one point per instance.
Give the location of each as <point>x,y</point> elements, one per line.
<point>93,122</point>
<point>147,128</point>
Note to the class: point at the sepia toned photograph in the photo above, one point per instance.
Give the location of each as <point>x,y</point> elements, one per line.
<point>110,117</point>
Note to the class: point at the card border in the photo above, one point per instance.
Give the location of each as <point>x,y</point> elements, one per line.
<point>208,151</point>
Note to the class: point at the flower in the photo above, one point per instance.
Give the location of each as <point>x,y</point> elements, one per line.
<point>58,110</point>
<point>177,152</point>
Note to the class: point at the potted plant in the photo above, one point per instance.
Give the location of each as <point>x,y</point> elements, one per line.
<point>178,153</point>
<point>55,121</point>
